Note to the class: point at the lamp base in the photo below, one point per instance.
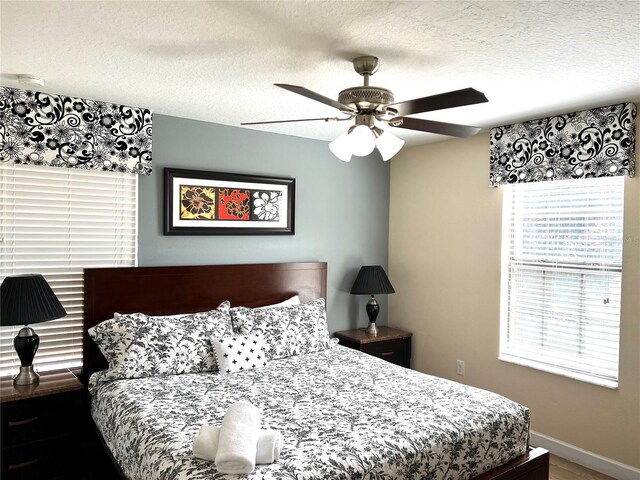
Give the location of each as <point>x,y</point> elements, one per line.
<point>372,329</point>
<point>27,376</point>
<point>26,345</point>
<point>372,312</point>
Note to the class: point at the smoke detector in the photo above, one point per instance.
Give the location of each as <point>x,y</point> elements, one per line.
<point>30,80</point>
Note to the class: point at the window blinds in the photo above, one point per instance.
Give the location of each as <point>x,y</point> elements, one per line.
<point>58,221</point>
<point>562,269</point>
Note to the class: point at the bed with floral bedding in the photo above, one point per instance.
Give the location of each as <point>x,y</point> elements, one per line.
<point>343,414</point>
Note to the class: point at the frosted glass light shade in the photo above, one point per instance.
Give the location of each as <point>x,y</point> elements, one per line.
<point>388,145</point>
<point>362,141</point>
<point>341,147</point>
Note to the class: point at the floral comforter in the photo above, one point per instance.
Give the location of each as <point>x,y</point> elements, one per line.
<point>343,414</point>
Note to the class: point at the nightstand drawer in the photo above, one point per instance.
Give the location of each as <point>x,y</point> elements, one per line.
<point>39,418</point>
<point>40,428</point>
<point>391,344</point>
<point>50,459</point>
<point>394,351</point>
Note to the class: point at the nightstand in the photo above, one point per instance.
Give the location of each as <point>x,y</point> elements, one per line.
<point>390,344</point>
<point>41,427</point>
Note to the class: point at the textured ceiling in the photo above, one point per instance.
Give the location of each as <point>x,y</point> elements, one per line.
<point>217,61</point>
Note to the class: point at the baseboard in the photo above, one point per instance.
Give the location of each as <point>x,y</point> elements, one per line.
<point>585,458</point>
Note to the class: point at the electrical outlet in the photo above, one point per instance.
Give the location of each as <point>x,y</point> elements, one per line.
<point>460,367</point>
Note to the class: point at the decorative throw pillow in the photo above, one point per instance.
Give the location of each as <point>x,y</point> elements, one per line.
<point>239,353</point>
<point>137,345</point>
<point>289,330</point>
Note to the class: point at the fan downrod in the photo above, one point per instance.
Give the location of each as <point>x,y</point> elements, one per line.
<point>366,99</point>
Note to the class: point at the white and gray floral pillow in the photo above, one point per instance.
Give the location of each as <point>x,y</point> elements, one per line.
<point>138,345</point>
<point>289,330</point>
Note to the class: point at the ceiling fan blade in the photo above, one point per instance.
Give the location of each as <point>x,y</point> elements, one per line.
<point>305,92</point>
<point>329,119</point>
<point>430,126</point>
<point>457,98</point>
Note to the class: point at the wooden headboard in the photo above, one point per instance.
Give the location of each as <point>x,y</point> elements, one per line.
<point>186,289</point>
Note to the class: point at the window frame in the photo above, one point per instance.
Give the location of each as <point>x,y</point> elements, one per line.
<point>95,211</point>
<point>511,355</point>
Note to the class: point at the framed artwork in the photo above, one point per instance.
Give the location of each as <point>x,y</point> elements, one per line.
<point>198,202</point>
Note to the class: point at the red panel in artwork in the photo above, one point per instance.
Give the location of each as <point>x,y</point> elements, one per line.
<point>233,204</point>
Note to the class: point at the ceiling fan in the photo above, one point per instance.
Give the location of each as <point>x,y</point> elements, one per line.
<point>368,104</point>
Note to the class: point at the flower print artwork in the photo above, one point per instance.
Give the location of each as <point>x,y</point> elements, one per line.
<point>233,204</point>
<point>266,205</point>
<point>198,202</point>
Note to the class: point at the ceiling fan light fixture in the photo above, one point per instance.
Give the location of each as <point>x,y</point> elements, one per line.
<point>362,141</point>
<point>341,147</point>
<point>388,145</point>
<point>368,104</point>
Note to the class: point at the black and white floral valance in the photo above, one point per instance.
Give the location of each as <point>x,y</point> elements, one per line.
<point>591,143</point>
<point>53,130</point>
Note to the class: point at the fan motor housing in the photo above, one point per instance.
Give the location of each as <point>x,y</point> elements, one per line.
<point>366,98</point>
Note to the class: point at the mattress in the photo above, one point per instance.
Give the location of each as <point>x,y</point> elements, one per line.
<point>343,415</point>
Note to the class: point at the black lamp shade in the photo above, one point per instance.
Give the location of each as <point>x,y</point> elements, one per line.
<point>28,299</point>
<point>371,280</point>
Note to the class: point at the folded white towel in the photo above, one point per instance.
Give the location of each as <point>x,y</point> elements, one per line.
<point>238,439</point>
<point>205,445</point>
<point>269,446</point>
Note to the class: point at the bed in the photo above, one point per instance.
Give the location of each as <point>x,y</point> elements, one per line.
<point>343,414</point>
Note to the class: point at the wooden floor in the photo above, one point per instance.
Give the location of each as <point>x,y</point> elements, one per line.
<point>561,469</point>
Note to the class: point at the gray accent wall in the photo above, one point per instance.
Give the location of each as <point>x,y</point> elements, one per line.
<point>342,209</point>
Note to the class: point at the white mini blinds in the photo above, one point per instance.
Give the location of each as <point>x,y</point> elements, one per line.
<point>561,275</point>
<point>56,222</point>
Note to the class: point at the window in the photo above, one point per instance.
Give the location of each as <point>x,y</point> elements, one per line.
<point>57,221</point>
<point>561,274</point>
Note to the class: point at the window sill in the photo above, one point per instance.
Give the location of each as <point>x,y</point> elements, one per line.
<point>610,384</point>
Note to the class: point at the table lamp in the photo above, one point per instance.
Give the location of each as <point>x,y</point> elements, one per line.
<point>372,280</point>
<point>24,300</point>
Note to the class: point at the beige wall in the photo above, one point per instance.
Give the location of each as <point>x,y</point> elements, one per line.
<point>444,262</point>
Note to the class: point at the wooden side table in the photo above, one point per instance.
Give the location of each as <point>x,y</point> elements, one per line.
<point>41,427</point>
<point>390,344</point>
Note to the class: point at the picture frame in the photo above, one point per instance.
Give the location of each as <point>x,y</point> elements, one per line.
<point>200,202</point>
